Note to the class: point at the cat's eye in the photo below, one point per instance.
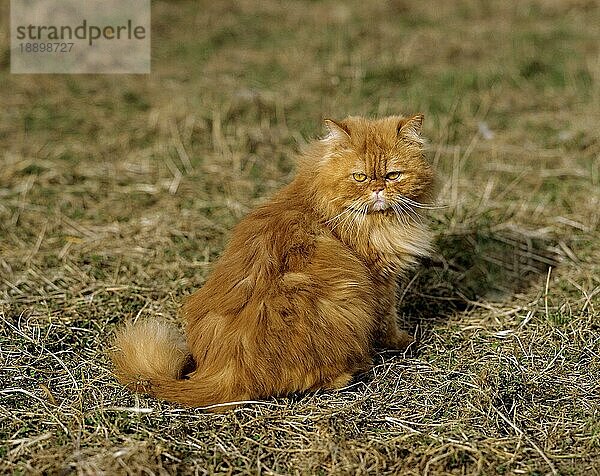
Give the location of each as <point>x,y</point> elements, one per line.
<point>392,176</point>
<point>359,176</point>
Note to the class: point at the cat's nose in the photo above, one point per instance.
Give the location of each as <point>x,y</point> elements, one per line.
<point>377,188</point>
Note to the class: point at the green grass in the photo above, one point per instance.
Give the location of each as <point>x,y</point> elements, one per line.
<point>118,192</point>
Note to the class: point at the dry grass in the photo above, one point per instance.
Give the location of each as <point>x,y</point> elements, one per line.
<point>117,193</point>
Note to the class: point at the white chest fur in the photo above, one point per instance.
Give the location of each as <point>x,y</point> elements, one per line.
<point>407,243</point>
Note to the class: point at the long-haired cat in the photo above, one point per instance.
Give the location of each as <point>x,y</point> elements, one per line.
<point>306,287</point>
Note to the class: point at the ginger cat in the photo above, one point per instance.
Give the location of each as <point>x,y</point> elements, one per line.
<point>306,287</point>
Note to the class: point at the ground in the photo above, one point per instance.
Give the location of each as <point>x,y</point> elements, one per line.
<point>117,193</point>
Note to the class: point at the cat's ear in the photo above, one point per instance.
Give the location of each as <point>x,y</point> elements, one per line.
<point>410,129</point>
<point>338,132</point>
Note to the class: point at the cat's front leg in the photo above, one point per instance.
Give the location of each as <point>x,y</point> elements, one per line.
<point>391,336</point>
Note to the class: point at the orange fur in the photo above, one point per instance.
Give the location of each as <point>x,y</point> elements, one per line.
<point>306,287</point>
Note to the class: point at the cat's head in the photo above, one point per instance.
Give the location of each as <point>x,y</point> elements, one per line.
<point>375,167</point>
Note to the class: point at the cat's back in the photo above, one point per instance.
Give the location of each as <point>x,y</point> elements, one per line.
<point>281,229</point>
<point>275,239</point>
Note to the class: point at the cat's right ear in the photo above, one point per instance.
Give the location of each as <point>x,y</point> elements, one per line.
<point>410,129</point>
<point>337,132</point>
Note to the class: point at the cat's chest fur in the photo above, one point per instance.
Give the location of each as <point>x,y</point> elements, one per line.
<point>390,248</point>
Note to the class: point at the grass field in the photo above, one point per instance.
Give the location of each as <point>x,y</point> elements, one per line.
<point>118,192</point>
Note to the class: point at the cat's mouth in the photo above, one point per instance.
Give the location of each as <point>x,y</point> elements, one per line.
<point>376,206</point>
<point>379,205</point>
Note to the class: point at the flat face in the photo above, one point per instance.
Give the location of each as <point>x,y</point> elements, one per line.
<point>376,166</point>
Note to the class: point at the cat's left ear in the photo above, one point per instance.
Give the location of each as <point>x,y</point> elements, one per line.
<point>410,129</point>
<point>337,131</point>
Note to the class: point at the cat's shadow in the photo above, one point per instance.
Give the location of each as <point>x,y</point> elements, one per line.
<point>479,266</point>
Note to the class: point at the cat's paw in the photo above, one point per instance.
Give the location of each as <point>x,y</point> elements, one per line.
<point>400,340</point>
<point>340,381</point>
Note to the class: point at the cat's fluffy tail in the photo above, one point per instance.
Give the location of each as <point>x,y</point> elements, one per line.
<point>150,356</point>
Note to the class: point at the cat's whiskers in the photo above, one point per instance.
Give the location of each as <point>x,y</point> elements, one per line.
<point>364,211</point>
<point>358,219</point>
<point>413,213</point>
<point>425,206</point>
<point>348,217</point>
<point>398,211</point>
<point>348,222</point>
<point>345,212</point>
<point>353,219</point>
<point>362,220</point>
<point>338,216</point>
<point>345,220</point>
<point>404,212</point>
